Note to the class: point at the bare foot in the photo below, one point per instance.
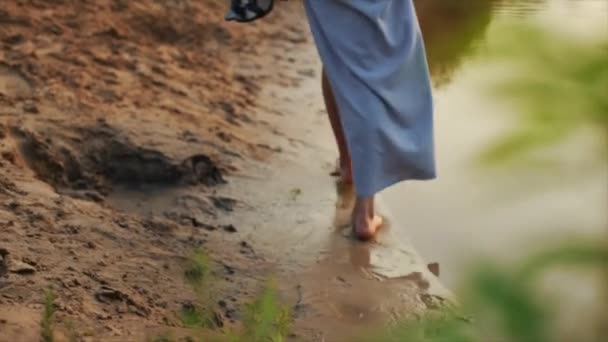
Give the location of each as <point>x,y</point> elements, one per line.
<point>366,229</point>
<point>345,204</point>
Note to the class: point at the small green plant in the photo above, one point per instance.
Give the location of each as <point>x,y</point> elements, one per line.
<point>198,270</point>
<point>46,325</point>
<point>197,317</point>
<point>198,274</point>
<point>295,193</point>
<point>162,338</point>
<point>266,320</point>
<point>191,317</point>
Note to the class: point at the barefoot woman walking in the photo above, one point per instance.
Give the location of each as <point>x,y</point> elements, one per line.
<point>378,96</point>
<point>377,93</point>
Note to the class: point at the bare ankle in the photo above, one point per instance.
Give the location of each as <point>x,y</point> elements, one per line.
<point>365,221</point>
<point>364,208</point>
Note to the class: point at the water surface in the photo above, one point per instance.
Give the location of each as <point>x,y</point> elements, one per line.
<point>471,213</point>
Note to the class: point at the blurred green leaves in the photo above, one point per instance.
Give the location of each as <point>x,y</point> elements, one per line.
<point>504,301</point>
<point>559,85</point>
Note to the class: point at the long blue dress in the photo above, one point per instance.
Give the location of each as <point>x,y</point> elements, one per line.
<point>375,61</point>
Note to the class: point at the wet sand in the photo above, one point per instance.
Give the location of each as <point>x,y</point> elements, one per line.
<point>120,124</point>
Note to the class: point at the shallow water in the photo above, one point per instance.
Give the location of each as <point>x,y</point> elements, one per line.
<point>470,213</point>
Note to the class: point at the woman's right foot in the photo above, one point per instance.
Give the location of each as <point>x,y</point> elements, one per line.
<point>365,221</point>
<point>366,230</point>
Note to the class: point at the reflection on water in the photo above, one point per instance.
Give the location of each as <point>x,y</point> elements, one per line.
<point>451,30</point>
<point>467,212</point>
<point>519,8</point>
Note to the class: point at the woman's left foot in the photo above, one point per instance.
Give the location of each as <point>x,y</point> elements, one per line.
<point>344,172</point>
<point>346,175</point>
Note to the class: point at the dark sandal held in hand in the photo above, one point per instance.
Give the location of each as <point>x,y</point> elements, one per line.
<point>244,11</point>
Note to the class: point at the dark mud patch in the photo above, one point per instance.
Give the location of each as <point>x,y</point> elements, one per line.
<point>96,159</point>
<point>224,203</point>
<point>7,19</point>
<point>178,29</point>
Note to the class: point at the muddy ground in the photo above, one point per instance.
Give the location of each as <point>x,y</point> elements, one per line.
<point>100,99</point>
